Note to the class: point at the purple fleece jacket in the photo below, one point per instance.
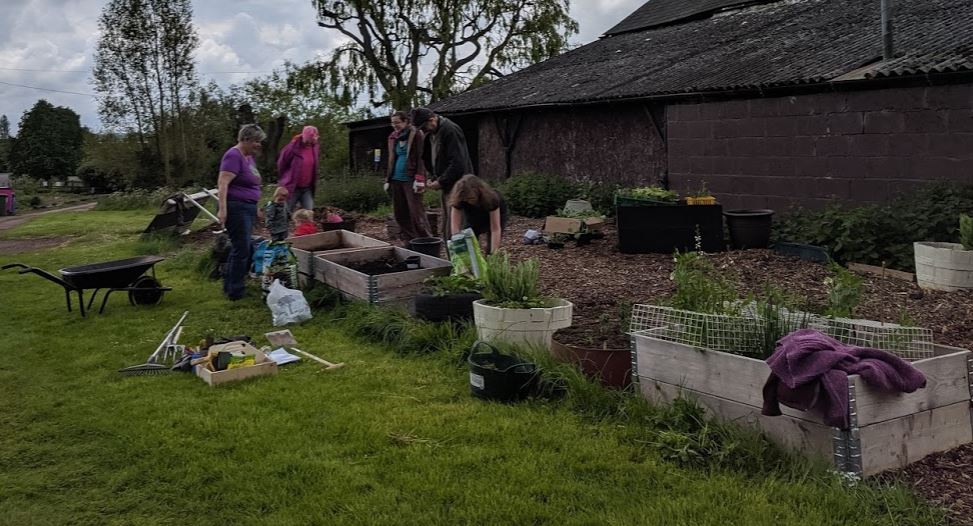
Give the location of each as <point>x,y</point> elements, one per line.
<point>810,370</point>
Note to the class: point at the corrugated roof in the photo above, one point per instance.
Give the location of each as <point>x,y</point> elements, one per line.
<point>661,12</point>
<point>783,43</point>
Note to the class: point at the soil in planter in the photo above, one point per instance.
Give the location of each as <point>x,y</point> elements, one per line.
<point>600,332</point>
<point>381,266</point>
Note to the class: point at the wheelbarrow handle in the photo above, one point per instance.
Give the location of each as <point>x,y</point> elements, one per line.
<point>42,273</point>
<point>14,265</point>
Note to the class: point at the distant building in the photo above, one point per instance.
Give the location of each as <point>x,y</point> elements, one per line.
<point>770,103</point>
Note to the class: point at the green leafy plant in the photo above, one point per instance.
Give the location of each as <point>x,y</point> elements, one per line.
<point>537,195</point>
<point>699,285</point>
<point>844,291</point>
<point>881,235</point>
<point>512,286</point>
<point>441,286</point>
<point>578,214</point>
<point>650,193</point>
<point>966,231</point>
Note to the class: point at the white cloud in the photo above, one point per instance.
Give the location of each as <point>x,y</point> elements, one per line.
<point>59,37</point>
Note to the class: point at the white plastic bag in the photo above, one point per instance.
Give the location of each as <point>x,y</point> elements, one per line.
<point>287,305</point>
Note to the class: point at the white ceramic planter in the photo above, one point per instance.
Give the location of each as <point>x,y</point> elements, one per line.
<point>943,266</point>
<point>521,326</point>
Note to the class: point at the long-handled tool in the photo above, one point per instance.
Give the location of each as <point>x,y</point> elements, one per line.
<point>151,366</point>
<point>284,337</point>
<point>328,364</point>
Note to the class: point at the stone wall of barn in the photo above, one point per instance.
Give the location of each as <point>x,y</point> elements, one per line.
<point>808,150</point>
<point>604,143</point>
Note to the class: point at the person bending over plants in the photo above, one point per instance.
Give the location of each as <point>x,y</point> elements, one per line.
<point>474,204</point>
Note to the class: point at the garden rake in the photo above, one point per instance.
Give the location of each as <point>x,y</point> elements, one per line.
<point>152,365</point>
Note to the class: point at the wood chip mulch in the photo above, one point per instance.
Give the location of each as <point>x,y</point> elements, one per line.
<point>598,279</point>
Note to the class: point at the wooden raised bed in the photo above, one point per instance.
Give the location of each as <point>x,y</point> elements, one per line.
<point>888,431</point>
<point>333,269</point>
<point>305,248</point>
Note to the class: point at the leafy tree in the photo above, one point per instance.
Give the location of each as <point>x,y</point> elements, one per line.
<point>144,72</point>
<point>49,142</point>
<point>407,52</point>
<point>291,98</point>
<point>4,143</point>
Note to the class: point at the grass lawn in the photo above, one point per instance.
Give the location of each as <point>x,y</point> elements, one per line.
<point>389,439</point>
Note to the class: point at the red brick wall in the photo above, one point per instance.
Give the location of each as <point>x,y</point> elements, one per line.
<point>808,150</point>
<point>616,143</point>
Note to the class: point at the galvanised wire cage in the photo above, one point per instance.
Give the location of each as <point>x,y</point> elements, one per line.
<point>755,330</point>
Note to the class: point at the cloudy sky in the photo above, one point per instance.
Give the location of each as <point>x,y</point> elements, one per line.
<point>50,43</point>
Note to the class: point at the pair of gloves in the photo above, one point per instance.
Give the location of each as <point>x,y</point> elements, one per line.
<point>418,185</point>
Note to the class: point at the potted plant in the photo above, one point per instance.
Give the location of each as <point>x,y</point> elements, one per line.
<point>701,197</point>
<point>512,308</point>
<point>448,298</point>
<point>645,195</point>
<point>599,347</point>
<point>947,266</point>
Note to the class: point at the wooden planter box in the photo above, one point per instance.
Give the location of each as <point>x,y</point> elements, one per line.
<point>397,287</point>
<point>305,248</point>
<point>666,228</point>
<point>888,431</point>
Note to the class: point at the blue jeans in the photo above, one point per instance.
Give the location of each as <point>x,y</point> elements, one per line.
<point>302,196</point>
<point>240,217</point>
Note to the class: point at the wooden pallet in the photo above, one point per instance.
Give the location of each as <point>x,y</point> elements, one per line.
<point>305,248</point>
<point>398,287</point>
<point>888,430</point>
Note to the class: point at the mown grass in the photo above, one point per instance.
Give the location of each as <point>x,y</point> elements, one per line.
<point>392,438</point>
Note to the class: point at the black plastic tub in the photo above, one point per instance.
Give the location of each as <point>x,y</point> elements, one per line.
<point>500,377</point>
<point>451,307</point>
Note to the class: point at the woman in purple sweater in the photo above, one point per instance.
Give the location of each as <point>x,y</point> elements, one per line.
<point>239,191</point>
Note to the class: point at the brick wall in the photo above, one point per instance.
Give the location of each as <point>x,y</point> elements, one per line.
<point>808,150</point>
<point>616,143</point>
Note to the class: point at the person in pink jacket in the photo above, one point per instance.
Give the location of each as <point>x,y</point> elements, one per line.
<point>297,168</point>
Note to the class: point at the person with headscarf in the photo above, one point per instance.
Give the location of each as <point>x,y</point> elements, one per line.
<point>297,168</point>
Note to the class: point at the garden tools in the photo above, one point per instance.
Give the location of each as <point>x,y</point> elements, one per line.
<point>152,365</point>
<point>284,337</point>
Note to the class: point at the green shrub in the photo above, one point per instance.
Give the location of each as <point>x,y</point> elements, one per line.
<point>844,292</point>
<point>966,231</point>
<point>601,195</point>
<point>881,234</point>
<point>352,193</point>
<point>537,195</point>
<point>453,284</point>
<point>34,202</point>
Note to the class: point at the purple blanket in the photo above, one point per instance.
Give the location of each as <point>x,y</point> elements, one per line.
<point>810,370</point>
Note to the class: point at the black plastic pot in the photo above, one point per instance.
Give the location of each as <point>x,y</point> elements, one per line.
<point>348,224</point>
<point>451,307</point>
<point>500,377</point>
<point>430,246</point>
<point>749,228</point>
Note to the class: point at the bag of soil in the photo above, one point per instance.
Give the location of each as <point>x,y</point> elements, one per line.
<point>465,254</point>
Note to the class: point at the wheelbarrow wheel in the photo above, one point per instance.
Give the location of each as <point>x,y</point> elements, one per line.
<point>145,291</point>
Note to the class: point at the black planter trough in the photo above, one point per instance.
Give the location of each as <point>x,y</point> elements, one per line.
<point>663,229</point>
<point>749,228</point>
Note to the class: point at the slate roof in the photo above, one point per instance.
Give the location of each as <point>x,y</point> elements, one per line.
<point>790,42</point>
<point>661,12</point>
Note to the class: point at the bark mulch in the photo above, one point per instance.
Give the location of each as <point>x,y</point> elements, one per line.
<point>601,282</point>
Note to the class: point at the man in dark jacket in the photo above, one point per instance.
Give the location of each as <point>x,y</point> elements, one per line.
<point>447,155</point>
